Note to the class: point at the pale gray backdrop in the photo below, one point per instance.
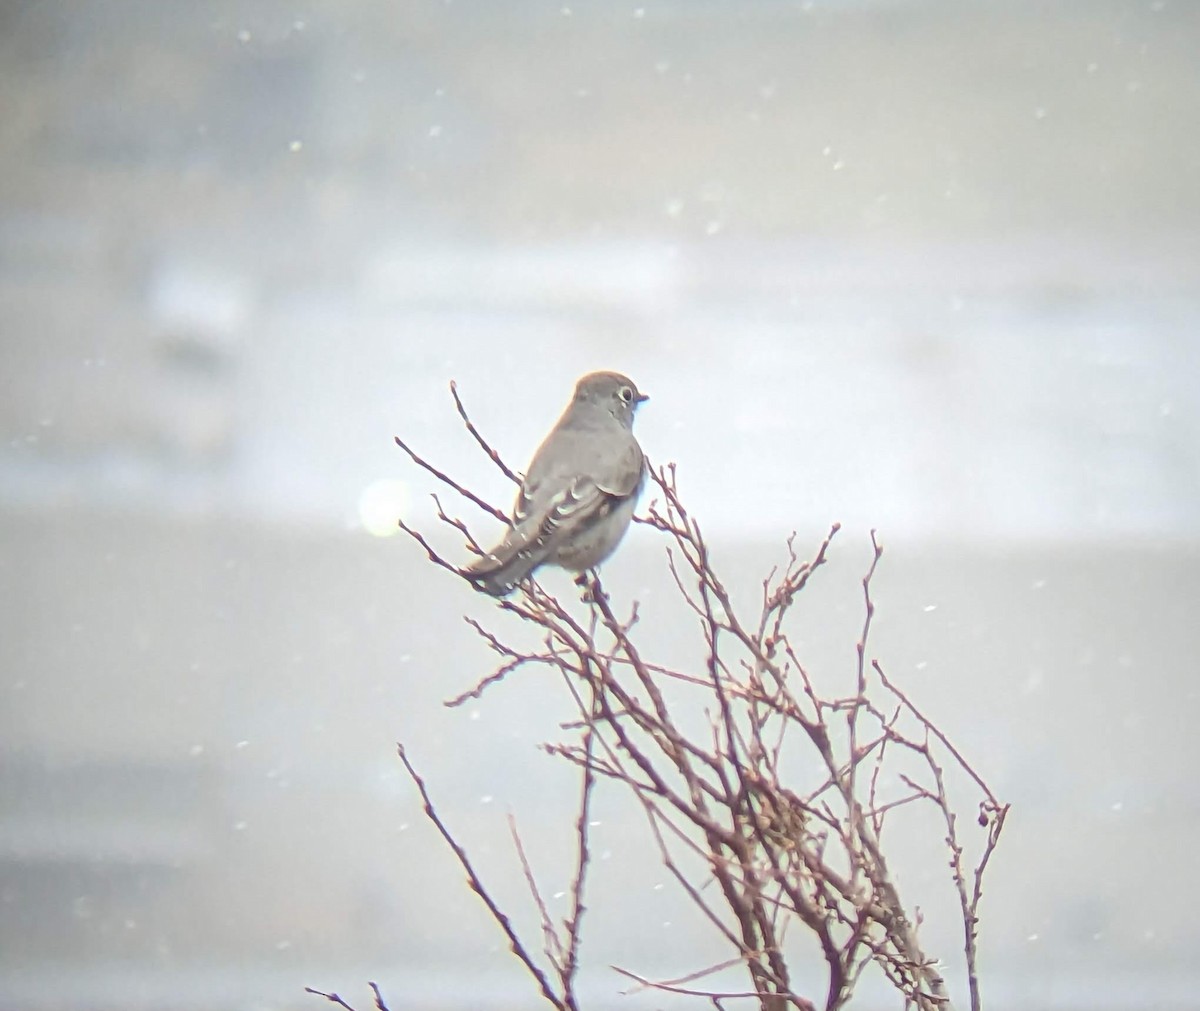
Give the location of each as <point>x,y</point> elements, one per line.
<point>927,267</point>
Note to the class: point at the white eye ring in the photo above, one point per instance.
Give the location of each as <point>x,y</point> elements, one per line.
<point>626,394</point>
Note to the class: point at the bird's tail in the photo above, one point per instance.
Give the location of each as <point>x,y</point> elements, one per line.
<point>500,570</point>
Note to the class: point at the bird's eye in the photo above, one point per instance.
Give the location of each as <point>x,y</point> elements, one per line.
<point>626,394</point>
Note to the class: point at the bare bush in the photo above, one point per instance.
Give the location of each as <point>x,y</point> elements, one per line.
<point>785,859</point>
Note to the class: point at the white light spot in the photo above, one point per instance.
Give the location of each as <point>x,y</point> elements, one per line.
<point>380,505</point>
<point>486,799</point>
<point>1032,937</point>
<point>1118,806</point>
<point>713,228</point>
<point>243,36</point>
<point>1039,112</point>
<point>239,826</point>
<point>295,145</point>
<point>242,744</point>
<point>929,607</point>
<point>435,130</point>
<point>195,750</point>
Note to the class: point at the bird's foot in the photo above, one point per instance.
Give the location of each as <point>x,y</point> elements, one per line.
<point>589,582</point>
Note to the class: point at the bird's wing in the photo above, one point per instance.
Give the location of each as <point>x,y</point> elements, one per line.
<point>544,517</point>
<point>566,510</point>
<point>617,477</point>
<point>539,510</point>
<point>537,532</point>
<point>525,499</point>
<point>623,477</point>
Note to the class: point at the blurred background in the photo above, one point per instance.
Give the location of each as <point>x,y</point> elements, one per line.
<point>921,266</point>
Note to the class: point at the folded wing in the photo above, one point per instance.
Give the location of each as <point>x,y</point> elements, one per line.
<point>536,535</point>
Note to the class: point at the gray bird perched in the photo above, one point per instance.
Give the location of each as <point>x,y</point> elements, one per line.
<point>578,495</point>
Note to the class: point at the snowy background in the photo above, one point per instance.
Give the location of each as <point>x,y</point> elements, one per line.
<point>927,267</point>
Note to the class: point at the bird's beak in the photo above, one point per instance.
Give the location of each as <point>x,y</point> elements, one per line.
<point>642,398</point>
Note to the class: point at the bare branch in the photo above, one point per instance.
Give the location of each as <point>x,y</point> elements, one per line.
<point>447,480</point>
<point>333,998</point>
<point>477,886</point>
<point>380,1003</point>
<point>761,853</point>
<point>483,443</point>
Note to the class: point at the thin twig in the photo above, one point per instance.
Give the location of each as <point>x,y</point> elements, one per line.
<point>483,443</point>
<point>478,887</point>
<point>333,998</point>
<point>687,992</point>
<point>447,480</point>
<point>771,854</point>
<point>553,946</point>
<point>574,922</point>
<point>380,1003</point>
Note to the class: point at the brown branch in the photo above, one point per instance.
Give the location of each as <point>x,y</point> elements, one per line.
<point>499,674</point>
<point>477,885</point>
<point>574,923</point>
<point>781,854</point>
<point>483,443</point>
<point>552,945</point>
<point>333,998</point>
<point>457,524</point>
<point>712,994</point>
<point>430,551</point>
<point>933,729</point>
<point>447,480</point>
<point>380,1003</point>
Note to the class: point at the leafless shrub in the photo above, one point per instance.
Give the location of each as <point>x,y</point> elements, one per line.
<point>784,859</point>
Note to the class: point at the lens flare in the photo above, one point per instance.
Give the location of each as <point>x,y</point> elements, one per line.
<point>381,504</point>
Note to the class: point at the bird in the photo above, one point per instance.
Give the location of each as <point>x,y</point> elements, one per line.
<point>579,491</point>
